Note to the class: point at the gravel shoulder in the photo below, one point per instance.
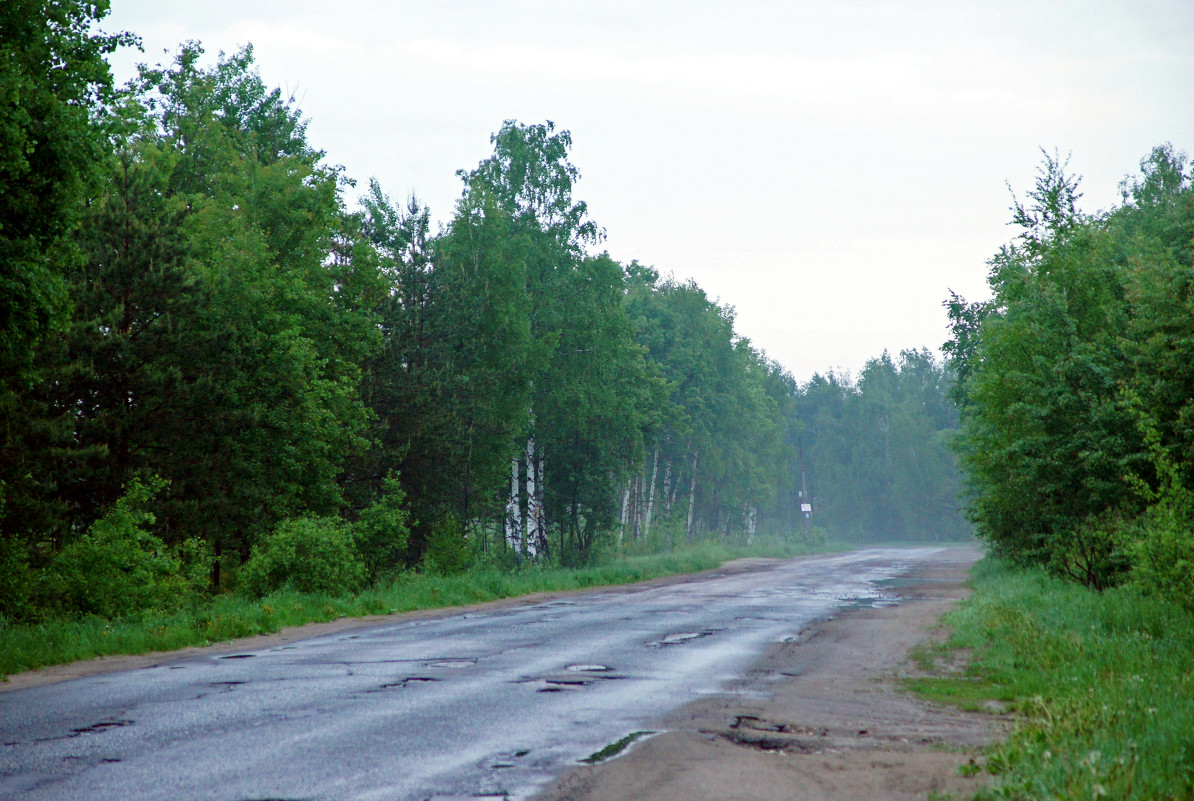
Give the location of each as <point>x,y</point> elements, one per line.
<point>820,718</point>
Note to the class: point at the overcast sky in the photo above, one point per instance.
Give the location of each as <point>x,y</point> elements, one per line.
<point>830,169</point>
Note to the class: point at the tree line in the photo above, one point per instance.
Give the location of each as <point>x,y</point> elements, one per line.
<point>1075,382</point>
<point>217,374</point>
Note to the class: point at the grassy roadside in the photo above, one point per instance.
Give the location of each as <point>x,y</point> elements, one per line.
<point>227,617</point>
<point>1102,686</point>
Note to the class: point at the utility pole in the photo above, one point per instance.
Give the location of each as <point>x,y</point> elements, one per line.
<point>806,503</point>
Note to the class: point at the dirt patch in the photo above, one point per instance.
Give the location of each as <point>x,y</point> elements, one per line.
<point>819,719</point>
<point>113,664</point>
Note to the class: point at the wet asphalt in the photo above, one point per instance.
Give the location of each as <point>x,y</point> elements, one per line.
<point>486,704</point>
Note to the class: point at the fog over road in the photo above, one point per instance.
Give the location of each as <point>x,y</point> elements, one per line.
<point>481,704</point>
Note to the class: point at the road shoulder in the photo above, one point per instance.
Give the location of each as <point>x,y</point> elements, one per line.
<point>819,718</point>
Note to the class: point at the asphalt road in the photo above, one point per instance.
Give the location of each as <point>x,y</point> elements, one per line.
<point>477,705</point>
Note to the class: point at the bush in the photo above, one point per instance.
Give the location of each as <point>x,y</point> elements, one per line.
<point>382,531</point>
<point>16,580</point>
<point>1163,553</point>
<point>448,551</point>
<point>119,568</point>
<point>308,554</point>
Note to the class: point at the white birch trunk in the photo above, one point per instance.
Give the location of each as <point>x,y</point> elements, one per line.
<point>531,542</point>
<point>750,525</point>
<point>514,510</point>
<point>638,506</point>
<point>540,506</point>
<point>625,509</point>
<point>651,495</point>
<point>667,486</point>
<point>692,493</point>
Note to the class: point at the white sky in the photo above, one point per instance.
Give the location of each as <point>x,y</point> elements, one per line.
<point>830,168</point>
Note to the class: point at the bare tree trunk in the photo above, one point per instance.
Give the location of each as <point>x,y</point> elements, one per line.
<point>692,494</point>
<point>750,525</point>
<point>651,494</point>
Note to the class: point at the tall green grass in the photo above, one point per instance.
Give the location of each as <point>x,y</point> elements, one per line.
<point>1102,686</point>
<point>227,617</point>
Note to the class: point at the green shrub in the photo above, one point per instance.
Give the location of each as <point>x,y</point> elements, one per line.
<point>119,568</point>
<point>16,580</point>
<point>382,531</point>
<point>1162,551</point>
<point>308,554</point>
<point>448,551</point>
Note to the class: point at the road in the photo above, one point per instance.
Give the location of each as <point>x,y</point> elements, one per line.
<point>475,705</point>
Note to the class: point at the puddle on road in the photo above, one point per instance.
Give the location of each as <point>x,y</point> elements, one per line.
<point>588,668</point>
<point>681,637</point>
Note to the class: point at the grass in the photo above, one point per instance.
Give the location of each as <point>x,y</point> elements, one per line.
<point>613,749</point>
<point>1101,686</point>
<point>227,617</point>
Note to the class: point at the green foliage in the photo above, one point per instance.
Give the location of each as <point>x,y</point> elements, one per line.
<point>17,580</point>
<point>53,77</point>
<point>54,86</point>
<point>1076,402</point>
<point>382,531</point>
<point>1101,685</point>
<point>118,568</point>
<point>306,554</point>
<point>448,551</point>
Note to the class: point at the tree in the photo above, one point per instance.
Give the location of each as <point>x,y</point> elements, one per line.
<point>54,84</point>
<point>1079,356</point>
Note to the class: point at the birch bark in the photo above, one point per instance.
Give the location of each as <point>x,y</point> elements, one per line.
<point>692,494</point>
<point>531,543</point>
<point>667,486</point>
<point>651,495</point>
<point>514,509</point>
<point>625,509</point>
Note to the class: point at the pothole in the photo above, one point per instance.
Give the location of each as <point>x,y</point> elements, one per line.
<point>557,685</point>
<point>237,656</point>
<point>452,664</point>
<point>407,682</point>
<point>103,725</point>
<point>680,637</point>
<point>755,724</point>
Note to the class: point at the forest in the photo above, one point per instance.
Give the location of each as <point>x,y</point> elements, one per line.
<point>1074,383</point>
<point>226,368</point>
